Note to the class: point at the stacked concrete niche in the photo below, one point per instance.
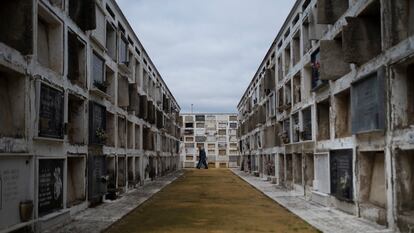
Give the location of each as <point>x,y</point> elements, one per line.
<point>76,108</point>
<point>344,109</point>
<point>329,11</point>
<point>362,35</point>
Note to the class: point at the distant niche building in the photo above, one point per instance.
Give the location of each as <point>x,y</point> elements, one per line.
<point>217,133</point>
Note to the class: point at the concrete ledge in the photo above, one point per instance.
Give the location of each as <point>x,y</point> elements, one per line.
<point>323,218</point>
<point>53,220</point>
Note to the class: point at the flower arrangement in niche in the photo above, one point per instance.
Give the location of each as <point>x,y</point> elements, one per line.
<point>101,134</point>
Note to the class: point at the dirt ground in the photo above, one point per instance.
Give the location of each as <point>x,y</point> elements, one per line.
<point>213,200</point>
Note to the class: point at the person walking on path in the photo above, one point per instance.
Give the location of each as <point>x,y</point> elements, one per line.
<point>202,158</point>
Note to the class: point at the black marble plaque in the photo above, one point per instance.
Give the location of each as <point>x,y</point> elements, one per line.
<point>50,186</point>
<point>51,112</point>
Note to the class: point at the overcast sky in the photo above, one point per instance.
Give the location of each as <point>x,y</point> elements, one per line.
<point>207,51</point>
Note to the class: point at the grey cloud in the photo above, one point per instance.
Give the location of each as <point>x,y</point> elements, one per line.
<point>206,51</point>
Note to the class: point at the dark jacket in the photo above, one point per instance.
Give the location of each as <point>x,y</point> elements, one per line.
<point>203,155</point>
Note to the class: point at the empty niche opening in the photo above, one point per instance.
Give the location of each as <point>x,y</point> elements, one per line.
<point>49,40</point>
<point>405,189</point>
<point>289,171</point>
<point>76,181</point>
<point>12,102</point>
<point>323,114</point>
<point>295,127</point>
<point>343,118</point>
<point>189,158</point>
<point>137,169</point>
<point>296,55</point>
<point>297,94</point>
<point>295,20</point>
<point>83,13</point>
<point>110,84</point>
<point>305,5</point>
<point>279,69</point>
<point>297,165</point>
<point>189,125</point>
<point>281,166</point>
<point>76,60</point>
<point>329,11</point>
<point>145,81</point>
<point>362,35</point>
<point>123,92</point>
<point>148,139</point>
<point>373,186</point>
<point>111,40</point>
<point>111,171</point>
<point>137,137</point>
<point>122,132</point>
<point>222,152</point>
<point>287,59</point>
<point>402,26</point>
<point>306,43</point>
<point>131,61</point>
<point>110,129</point>
<point>200,145</point>
<point>76,120</point>
<point>131,177</point>
<point>306,133</point>
<point>138,74</point>
<point>309,174</point>
<point>280,101</point>
<point>189,139</point>
<point>222,132</point>
<point>17,30</point>
<point>131,130</point>
<point>403,84</point>
<point>122,173</point>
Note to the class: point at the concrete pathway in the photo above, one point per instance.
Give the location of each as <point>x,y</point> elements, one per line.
<point>323,218</point>
<point>213,200</point>
<point>97,219</point>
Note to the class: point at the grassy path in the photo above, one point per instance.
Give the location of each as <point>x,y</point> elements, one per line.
<point>213,200</point>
